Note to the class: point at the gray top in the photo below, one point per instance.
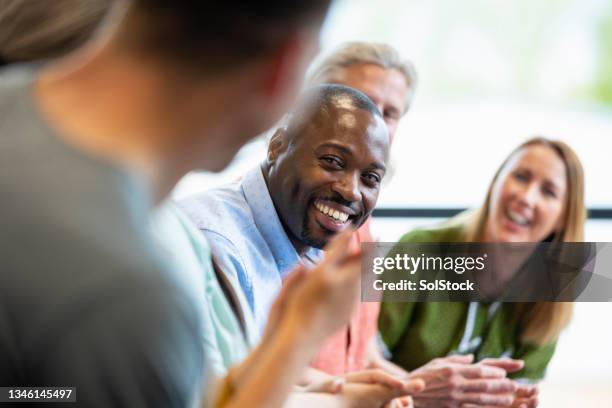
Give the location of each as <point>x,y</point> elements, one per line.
<point>84,299</point>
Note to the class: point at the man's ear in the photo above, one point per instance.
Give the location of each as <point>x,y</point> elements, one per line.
<point>278,144</point>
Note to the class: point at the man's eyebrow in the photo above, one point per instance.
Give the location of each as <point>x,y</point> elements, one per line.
<point>337,146</point>
<point>378,166</point>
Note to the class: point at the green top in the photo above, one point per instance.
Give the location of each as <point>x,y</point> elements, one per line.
<point>226,343</point>
<point>416,333</point>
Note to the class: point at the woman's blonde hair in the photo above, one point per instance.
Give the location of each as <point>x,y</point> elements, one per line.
<point>543,321</point>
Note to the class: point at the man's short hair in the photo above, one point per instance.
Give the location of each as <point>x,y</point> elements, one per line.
<point>321,99</point>
<point>351,53</point>
<point>217,35</point>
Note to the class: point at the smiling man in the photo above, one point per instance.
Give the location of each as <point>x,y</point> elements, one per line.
<point>322,175</point>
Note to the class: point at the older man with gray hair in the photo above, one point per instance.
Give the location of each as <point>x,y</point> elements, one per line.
<point>375,69</point>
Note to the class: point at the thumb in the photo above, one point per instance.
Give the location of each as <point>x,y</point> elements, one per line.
<point>328,386</point>
<point>507,364</point>
<point>458,359</point>
<point>404,402</point>
<point>414,386</point>
<point>526,391</point>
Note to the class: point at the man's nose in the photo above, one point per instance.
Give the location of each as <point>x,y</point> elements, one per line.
<point>348,187</point>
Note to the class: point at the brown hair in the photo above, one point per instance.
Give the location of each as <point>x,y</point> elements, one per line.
<point>210,36</point>
<point>544,321</point>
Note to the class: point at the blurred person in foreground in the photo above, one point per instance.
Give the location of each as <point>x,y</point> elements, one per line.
<point>96,140</point>
<point>34,32</point>
<point>537,195</point>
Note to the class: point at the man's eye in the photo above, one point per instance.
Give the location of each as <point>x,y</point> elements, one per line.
<point>372,178</point>
<point>332,161</point>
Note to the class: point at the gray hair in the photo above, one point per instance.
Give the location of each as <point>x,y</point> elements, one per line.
<point>351,53</point>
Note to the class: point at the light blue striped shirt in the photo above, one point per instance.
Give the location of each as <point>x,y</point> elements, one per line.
<point>247,239</point>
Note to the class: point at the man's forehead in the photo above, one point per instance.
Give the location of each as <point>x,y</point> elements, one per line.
<point>338,120</point>
<point>353,129</point>
<point>333,111</point>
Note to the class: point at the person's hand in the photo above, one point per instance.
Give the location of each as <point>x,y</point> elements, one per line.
<point>320,301</point>
<point>377,361</point>
<point>507,364</point>
<point>325,383</point>
<point>358,395</point>
<point>378,376</point>
<point>290,285</point>
<point>389,367</point>
<point>454,382</point>
<point>526,396</point>
<point>401,402</point>
<point>328,385</point>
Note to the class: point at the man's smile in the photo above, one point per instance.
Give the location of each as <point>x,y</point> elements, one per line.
<point>333,210</point>
<point>332,216</point>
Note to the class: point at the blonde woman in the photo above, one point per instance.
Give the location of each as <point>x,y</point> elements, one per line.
<point>536,195</point>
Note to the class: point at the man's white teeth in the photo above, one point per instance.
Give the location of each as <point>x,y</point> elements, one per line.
<point>517,218</point>
<point>330,212</point>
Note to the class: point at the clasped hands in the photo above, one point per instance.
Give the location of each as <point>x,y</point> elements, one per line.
<point>448,382</point>
<point>455,382</point>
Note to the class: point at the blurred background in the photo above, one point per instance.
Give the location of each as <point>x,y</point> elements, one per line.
<point>492,73</point>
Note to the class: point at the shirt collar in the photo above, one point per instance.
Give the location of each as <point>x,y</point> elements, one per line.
<point>268,223</point>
